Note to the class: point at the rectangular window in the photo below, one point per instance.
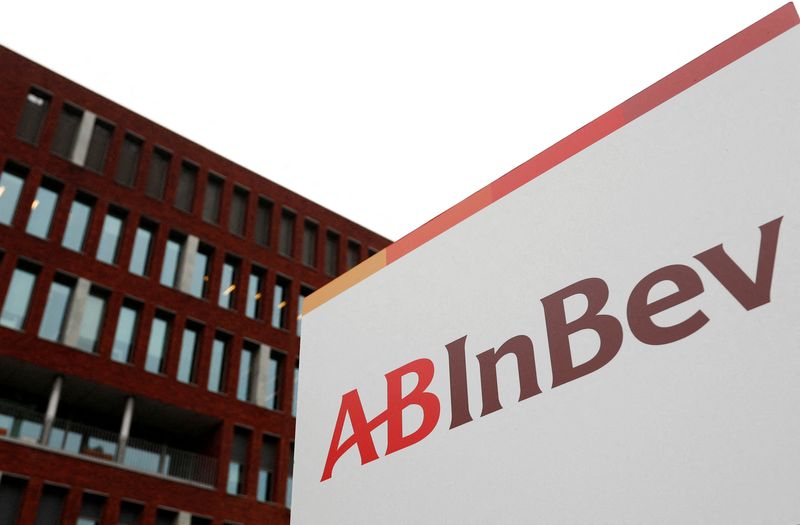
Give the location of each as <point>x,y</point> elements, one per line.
<point>310,230</point>
<point>12,490</point>
<point>91,509</point>
<point>184,196</point>
<point>43,208</point>
<point>227,285</point>
<point>66,131</point>
<point>295,382</point>
<point>188,358</point>
<point>98,146</point>
<point>130,513</point>
<point>263,221</point>
<point>286,240</point>
<point>219,363</point>
<point>255,292</point>
<point>59,298</point>
<point>158,343</point>
<point>290,477</point>
<point>280,302</point>
<point>92,320</point>
<point>142,246</point>
<point>237,469</point>
<point>353,254</point>
<point>51,505</point>
<point>33,114</point>
<point>157,174</point>
<point>305,291</point>
<point>244,384</point>
<point>266,469</point>
<point>213,198</point>
<point>238,211</point>
<point>80,213</point>
<point>273,380</point>
<point>128,163</point>
<point>172,258</point>
<point>200,271</point>
<point>166,517</point>
<point>125,334</point>
<point>18,297</point>
<point>108,246</point>
<point>332,254</point>
<point>11,182</point>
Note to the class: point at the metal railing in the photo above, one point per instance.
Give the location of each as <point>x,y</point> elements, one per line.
<point>28,426</point>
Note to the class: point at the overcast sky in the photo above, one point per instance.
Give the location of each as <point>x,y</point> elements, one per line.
<point>388,113</point>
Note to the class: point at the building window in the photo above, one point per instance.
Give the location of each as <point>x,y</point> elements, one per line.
<point>237,468</point>
<point>371,252</point>
<point>91,509</point>
<point>91,320</point>
<point>157,174</point>
<point>128,163</point>
<point>227,285</point>
<point>332,254</point>
<point>130,513</point>
<point>98,146</point>
<point>305,291</point>
<point>255,292</point>
<point>238,213</point>
<point>353,254</point>
<point>51,505</point>
<point>158,343</point>
<point>172,258</point>
<point>200,272</point>
<point>53,321</point>
<point>142,247</point>
<point>286,241</point>
<point>12,490</point>
<point>125,334</point>
<point>273,380</point>
<point>42,209</point>
<point>187,181</point>
<point>244,385</point>
<point>310,231</point>
<point>33,114</point>
<point>108,246</point>
<point>219,363</point>
<point>166,517</point>
<point>188,358</point>
<point>263,221</point>
<point>66,131</point>
<point>280,303</point>
<point>80,213</point>
<point>213,198</point>
<point>295,383</point>
<point>11,182</point>
<point>290,477</point>
<point>266,469</point>
<point>18,296</point>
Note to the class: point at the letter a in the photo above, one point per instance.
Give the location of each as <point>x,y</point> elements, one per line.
<point>351,406</point>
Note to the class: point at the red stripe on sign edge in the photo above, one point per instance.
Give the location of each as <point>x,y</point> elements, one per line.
<point>713,60</point>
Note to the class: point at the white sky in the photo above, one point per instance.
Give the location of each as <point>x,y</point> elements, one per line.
<point>388,113</point>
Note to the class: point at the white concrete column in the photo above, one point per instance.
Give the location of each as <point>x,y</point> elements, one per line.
<point>187,262</point>
<point>52,408</point>
<point>184,518</point>
<point>125,428</point>
<point>84,137</point>
<point>75,313</point>
<point>260,375</point>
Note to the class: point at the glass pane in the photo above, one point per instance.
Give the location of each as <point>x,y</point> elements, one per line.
<point>18,296</point>
<point>273,381</point>
<point>184,196</point>
<point>124,335</point>
<point>128,163</point>
<point>10,188</point>
<point>263,213</point>
<point>212,199</point>
<point>217,366</point>
<point>77,223</point>
<point>227,285</point>
<point>141,251</point>
<point>234,478</point>
<point>253,306</point>
<point>98,146</point>
<point>199,275</point>
<point>93,311</point>
<point>157,177</point>
<point>156,346</point>
<point>295,380</point>
<point>109,239</point>
<point>280,305</point>
<point>169,270</point>
<point>42,209</point>
<point>186,361</point>
<point>33,113</point>
<point>263,491</point>
<point>286,234</point>
<point>243,386</point>
<point>55,312</point>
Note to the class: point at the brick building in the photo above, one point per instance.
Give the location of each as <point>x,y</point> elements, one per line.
<point>149,299</point>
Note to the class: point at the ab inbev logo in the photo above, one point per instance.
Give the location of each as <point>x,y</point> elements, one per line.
<point>749,292</point>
